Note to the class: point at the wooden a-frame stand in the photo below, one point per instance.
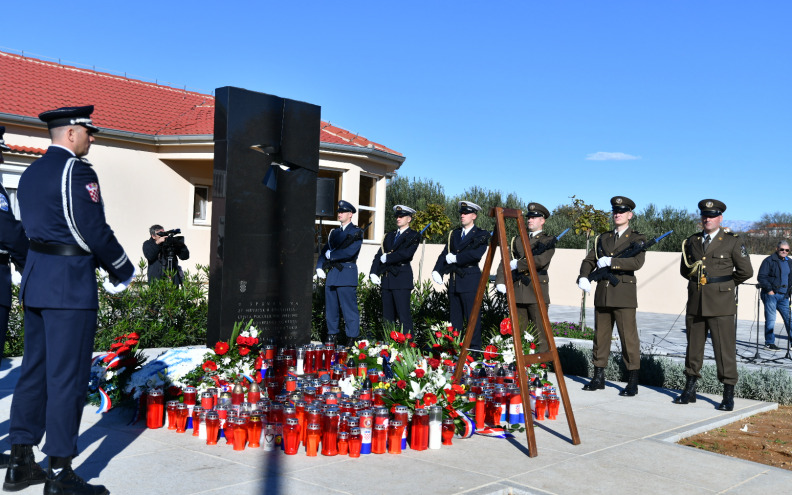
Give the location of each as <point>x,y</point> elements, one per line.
<point>523,360</point>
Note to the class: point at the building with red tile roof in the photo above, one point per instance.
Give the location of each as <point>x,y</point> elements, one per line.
<point>155,153</point>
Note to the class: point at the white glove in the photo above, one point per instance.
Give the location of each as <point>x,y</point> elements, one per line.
<point>604,261</point>
<point>374,278</point>
<point>115,289</point>
<point>450,258</point>
<point>513,264</point>
<point>584,284</point>
<point>16,277</point>
<point>501,288</point>
<point>327,254</point>
<point>383,258</point>
<point>320,273</point>
<point>437,277</point>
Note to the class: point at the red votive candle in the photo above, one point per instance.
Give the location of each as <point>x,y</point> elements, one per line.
<point>343,443</point>
<point>355,442</point>
<point>154,409</point>
<point>171,409</point>
<point>541,407</point>
<point>190,396</point>
<point>448,431</point>
<point>291,436</point>
<point>395,437</point>
<point>240,433</point>
<point>181,418</point>
<point>314,431</point>
<point>330,433</point>
<point>254,394</point>
<point>420,430</point>
<point>196,420</point>
<point>481,411</point>
<point>212,427</point>
<point>552,406</point>
<point>207,401</point>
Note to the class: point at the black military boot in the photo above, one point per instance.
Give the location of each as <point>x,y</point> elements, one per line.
<point>62,480</point>
<point>688,395</point>
<point>331,338</point>
<point>632,385</point>
<point>22,469</point>
<point>598,381</point>
<point>728,399</point>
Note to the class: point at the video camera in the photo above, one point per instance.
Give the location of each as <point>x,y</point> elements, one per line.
<point>170,247</point>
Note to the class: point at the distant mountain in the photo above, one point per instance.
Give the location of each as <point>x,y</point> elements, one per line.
<point>738,225</point>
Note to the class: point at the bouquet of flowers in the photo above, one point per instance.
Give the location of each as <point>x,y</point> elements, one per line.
<point>446,341</point>
<point>501,347</point>
<point>112,371</point>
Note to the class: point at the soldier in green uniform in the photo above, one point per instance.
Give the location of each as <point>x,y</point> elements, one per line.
<point>714,262</point>
<point>527,305</point>
<point>615,303</point>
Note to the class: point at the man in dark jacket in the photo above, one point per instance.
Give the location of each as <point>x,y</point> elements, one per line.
<point>160,249</point>
<point>775,279</point>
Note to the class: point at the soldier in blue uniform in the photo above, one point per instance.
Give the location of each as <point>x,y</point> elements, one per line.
<point>13,246</point>
<point>391,268</point>
<point>63,214</point>
<point>337,262</point>
<point>460,258</point>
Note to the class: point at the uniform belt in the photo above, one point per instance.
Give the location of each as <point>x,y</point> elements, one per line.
<point>715,280</point>
<point>538,272</point>
<point>4,258</point>
<point>58,249</point>
<point>623,272</point>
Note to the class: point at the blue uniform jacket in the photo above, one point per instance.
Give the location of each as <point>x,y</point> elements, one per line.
<point>14,242</point>
<point>465,273</point>
<point>60,202</point>
<point>341,268</point>
<point>396,272</point>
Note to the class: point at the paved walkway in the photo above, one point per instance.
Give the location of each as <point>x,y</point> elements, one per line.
<point>627,446</point>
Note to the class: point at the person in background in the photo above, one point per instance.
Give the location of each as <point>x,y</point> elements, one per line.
<point>775,280</point>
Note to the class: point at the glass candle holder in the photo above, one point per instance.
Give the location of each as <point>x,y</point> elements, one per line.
<point>448,431</point>
<point>395,437</point>
<point>254,431</point>
<point>240,433</point>
<point>366,429</point>
<point>181,417</point>
<point>212,427</point>
<point>481,411</point>
<point>420,430</point>
<point>171,410</point>
<point>196,420</point>
<point>154,409</point>
<point>314,432</point>
<point>343,443</point>
<point>541,407</point>
<point>379,439</point>
<point>355,442</point>
<point>330,433</point>
<point>190,396</point>
<point>291,436</point>
<point>402,414</point>
<point>268,437</point>
<point>207,400</point>
<point>254,393</point>
<point>552,406</point>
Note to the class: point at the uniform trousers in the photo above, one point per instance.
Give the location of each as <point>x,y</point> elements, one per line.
<point>53,382</point>
<point>624,318</point>
<point>724,345</point>
<point>461,305</point>
<point>530,313</point>
<point>397,302</point>
<point>4,312</point>
<point>346,298</point>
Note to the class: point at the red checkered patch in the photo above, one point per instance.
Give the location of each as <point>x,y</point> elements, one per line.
<point>93,190</point>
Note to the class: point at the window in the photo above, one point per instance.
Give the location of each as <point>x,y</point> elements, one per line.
<point>13,202</point>
<point>201,205</point>
<point>367,204</point>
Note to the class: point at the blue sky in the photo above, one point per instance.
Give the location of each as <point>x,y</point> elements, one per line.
<point>667,102</point>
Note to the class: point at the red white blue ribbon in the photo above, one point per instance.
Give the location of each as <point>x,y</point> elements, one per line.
<point>494,433</point>
<point>106,404</point>
<point>470,426</point>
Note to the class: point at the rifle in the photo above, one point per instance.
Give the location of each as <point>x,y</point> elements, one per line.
<point>540,248</point>
<point>348,241</point>
<point>632,250</point>
<point>392,269</point>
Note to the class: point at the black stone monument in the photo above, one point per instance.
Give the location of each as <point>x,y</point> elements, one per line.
<point>266,159</point>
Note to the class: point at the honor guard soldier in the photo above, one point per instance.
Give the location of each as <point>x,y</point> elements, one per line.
<point>13,246</point>
<point>615,303</point>
<point>391,268</point>
<point>69,238</point>
<point>527,305</point>
<point>714,262</point>
<point>337,263</point>
<point>460,258</point>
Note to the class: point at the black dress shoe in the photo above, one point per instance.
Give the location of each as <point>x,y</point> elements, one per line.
<point>597,381</point>
<point>728,399</point>
<point>331,338</point>
<point>64,481</point>
<point>22,469</point>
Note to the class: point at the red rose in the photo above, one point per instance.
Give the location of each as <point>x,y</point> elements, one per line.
<point>209,366</point>
<point>450,328</point>
<point>543,365</point>
<point>533,346</point>
<point>361,346</point>
<point>438,335</point>
<point>448,362</point>
<point>409,336</point>
<point>401,384</point>
<point>240,340</point>
<point>429,399</point>
<point>384,353</point>
<point>419,372</point>
<point>412,344</point>
<point>174,391</point>
<point>220,348</point>
<point>259,363</point>
<point>436,346</point>
<point>362,357</point>
<point>244,351</point>
<point>434,363</point>
<point>455,333</point>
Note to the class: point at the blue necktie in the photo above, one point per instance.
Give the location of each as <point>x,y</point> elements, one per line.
<point>463,236</point>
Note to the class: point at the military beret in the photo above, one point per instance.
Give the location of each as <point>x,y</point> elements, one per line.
<point>622,204</point>
<point>403,211</point>
<point>468,207</point>
<point>345,206</point>
<point>3,146</point>
<point>69,116</point>
<point>537,210</point>
<point>711,207</point>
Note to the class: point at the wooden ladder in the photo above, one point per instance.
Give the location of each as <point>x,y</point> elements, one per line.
<point>523,360</point>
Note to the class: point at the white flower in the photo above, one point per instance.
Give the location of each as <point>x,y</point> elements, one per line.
<point>379,360</point>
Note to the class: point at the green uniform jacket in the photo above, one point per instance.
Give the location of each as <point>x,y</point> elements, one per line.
<point>625,294</point>
<point>524,293</point>
<point>725,256</point>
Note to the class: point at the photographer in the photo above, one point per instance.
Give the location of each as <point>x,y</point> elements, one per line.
<point>163,252</point>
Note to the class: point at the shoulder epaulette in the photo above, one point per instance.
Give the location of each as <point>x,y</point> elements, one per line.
<point>732,234</point>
